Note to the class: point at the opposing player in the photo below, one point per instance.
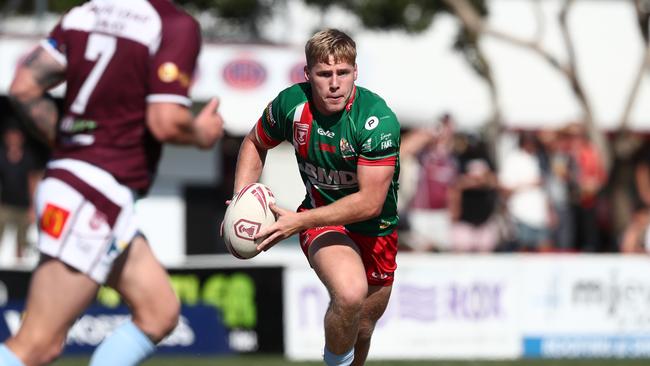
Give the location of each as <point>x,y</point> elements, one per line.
<point>346,142</point>
<point>127,65</point>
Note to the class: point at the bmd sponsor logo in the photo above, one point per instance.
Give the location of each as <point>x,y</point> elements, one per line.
<point>329,179</point>
<point>244,74</point>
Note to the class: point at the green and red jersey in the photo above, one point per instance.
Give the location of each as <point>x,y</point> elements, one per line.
<point>329,148</point>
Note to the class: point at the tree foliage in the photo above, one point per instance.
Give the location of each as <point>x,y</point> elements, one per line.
<point>234,19</point>
<point>28,7</point>
<point>412,16</point>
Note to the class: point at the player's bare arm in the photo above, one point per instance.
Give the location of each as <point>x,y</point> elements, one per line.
<point>365,204</point>
<point>174,123</point>
<point>252,155</point>
<point>38,73</point>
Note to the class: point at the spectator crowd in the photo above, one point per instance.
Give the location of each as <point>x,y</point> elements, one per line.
<point>548,190</point>
<point>531,191</point>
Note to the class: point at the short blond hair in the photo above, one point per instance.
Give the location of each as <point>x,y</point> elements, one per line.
<point>330,42</point>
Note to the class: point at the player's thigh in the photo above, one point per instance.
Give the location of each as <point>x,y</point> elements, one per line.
<point>143,282</point>
<point>337,262</point>
<point>58,294</point>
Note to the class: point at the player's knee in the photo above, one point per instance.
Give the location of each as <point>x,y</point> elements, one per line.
<point>44,349</point>
<point>350,299</point>
<point>51,353</point>
<point>157,323</point>
<point>170,316</point>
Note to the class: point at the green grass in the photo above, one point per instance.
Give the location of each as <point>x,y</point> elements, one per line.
<point>260,360</point>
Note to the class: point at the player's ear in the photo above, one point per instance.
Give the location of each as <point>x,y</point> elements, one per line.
<point>356,72</point>
<point>306,70</point>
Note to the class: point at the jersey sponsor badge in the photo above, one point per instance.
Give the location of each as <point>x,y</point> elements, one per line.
<point>367,146</point>
<point>269,114</point>
<point>168,72</point>
<point>53,220</point>
<point>380,276</point>
<point>386,144</point>
<point>347,151</point>
<point>372,123</point>
<point>300,131</point>
<point>322,132</point>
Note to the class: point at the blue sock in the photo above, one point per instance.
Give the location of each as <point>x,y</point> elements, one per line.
<point>338,360</point>
<point>126,346</point>
<point>8,358</point>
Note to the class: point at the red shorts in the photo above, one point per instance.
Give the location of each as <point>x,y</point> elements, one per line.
<point>377,252</point>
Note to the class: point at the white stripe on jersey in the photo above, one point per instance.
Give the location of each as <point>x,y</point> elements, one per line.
<point>298,113</point>
<point>296,118</point>
<point>169,98</point>
<point>136,20</point>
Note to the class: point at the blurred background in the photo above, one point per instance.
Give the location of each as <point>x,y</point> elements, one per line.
<point>524,188</point>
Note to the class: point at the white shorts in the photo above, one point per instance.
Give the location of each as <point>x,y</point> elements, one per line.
<point>86,218</point>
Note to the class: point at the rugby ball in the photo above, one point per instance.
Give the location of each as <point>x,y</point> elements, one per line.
<point>247,214</point>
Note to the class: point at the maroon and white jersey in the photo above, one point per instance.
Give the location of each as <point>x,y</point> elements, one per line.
<point>119,56</point>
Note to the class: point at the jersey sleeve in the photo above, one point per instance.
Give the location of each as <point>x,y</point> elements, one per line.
<point>272,126</point>
<point>379,138</point>
<point>173,64</point>
<point>55,45</point>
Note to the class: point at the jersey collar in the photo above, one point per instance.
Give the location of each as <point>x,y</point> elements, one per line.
<point>353,95</point>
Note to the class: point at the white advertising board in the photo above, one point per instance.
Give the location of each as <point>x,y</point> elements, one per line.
<point>459,307</point>
<point>502,306</point>
<point>586,306</point>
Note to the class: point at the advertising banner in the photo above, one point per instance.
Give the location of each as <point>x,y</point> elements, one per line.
<point>223,311</point>
<point>587,306</point>
<point>456,307</point>
<point>509,306</point>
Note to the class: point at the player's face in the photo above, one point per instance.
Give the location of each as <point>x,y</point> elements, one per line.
<point>331,84</point>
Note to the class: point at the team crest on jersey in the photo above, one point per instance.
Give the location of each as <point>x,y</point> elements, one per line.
<point>371,123</point>
<point>347,151</point>
<point>53,220</point>
<point>168,72</point>
<point>300,132</point>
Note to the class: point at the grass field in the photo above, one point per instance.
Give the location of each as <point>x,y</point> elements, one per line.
<point>280,361</point>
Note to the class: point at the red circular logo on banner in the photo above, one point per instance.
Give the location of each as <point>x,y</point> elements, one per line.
<point>244,74</point>
<point>297,73</point>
